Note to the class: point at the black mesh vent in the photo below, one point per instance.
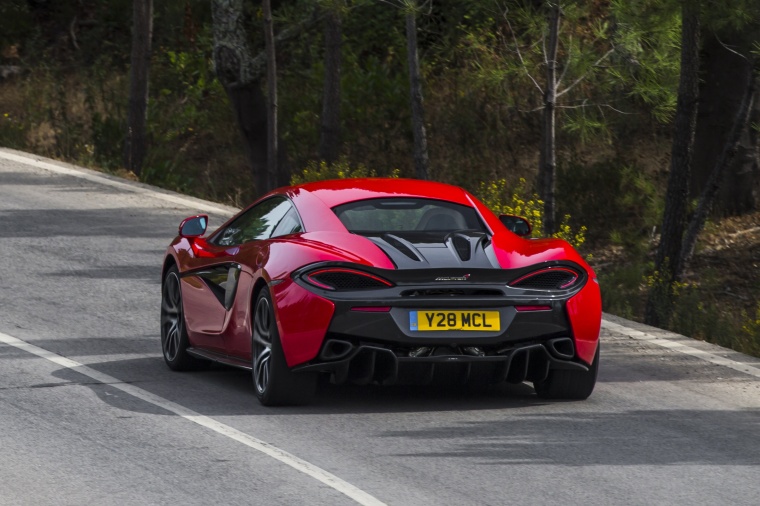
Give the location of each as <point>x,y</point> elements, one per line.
<point>347,281</point>
<point>452,292</point>
<point>462,245</point>
<point>547,280</point>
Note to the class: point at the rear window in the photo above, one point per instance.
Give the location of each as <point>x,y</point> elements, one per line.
<point>377,216</point>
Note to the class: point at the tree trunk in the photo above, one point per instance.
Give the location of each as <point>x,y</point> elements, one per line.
<point>142,33</point>
<point>714,181</point>
<point>725,70</point>
<point>421,160</point>
<point>548,157</point>
<point>329,143</point>
<point>667,261</point>
<point>241,76</point>
<point>272,129</point>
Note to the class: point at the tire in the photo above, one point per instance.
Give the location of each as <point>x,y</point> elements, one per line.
<point>274,382</point>
<point>174,341</point>
<point>569,384</point>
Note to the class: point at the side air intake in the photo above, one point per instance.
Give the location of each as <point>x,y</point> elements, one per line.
<point>551,278</point>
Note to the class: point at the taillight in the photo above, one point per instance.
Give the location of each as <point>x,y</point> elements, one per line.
<point>551,278</point>
<point>345,279</point>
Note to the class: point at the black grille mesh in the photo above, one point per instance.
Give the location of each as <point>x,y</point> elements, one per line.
<point>451,292</point>
<point>347,281</point>
<point>547,280</point>
<point>462,245</point>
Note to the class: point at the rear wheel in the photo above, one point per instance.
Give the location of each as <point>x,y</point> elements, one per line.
<point>275,383</point>
<point>174,341</point>
<point>569,384</point>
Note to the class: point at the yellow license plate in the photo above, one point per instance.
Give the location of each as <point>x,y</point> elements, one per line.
<point>484,321</point>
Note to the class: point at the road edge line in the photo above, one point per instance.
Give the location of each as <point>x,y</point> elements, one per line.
<point>133,187</point>
<point>682,348</point>
<point>300,465</point>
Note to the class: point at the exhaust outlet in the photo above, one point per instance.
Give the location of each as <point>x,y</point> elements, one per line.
<point>561,347</point>
<point>335,349</point>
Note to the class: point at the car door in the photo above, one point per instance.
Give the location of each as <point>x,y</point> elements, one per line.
<point>237,334</point>
<point>209,288</point>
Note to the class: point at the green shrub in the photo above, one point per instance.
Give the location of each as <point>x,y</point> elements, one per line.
<point>623,288</point>
<point>521,202</point>
<point>12,132</point>
<point>320,171</point>
<point>617,200</point>
<point>749,337</point>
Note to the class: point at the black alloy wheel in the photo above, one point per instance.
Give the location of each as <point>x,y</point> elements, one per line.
<point>174,341</point>
<point>275,383</point>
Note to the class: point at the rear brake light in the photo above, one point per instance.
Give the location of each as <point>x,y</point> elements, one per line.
<point>345,279</point>
<point>524,309</point>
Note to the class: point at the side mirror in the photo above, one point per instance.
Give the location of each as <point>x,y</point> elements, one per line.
<point>195,226</point>
<point>516,224</point>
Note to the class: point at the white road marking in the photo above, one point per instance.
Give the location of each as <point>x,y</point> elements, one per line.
<point>286,458</point>
<point>682,348</point>
<point>94,177</point>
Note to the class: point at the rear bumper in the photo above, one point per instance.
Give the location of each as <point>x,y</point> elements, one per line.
<point>378,321</point>
<point>363,364</point>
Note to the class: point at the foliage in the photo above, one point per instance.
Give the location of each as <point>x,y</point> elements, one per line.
<point>320,171</point>
<point>647,39</point>
<point>623,288</point>
<point>750,333</point>
<point>12,132</point>
<point>15,21</point>
<point>696,312</point>
<point>630,203</point>
<point>523,203</point>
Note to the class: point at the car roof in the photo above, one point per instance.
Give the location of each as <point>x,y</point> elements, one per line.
<point>342,191</point>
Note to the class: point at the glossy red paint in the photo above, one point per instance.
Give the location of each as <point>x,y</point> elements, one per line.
<point>302,319</point>
<point>337,192</point>
<point>584,311</point>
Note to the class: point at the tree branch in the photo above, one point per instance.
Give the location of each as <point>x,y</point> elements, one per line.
<point>584,76</point>
<point>519,54</point>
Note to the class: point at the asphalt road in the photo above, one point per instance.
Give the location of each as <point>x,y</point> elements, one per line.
<point>89,413</point>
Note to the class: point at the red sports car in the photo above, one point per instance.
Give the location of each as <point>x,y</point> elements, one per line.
<point>379,281</point>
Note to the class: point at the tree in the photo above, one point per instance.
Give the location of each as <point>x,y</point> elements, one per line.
<point>142,33</point>
<point>547,171</point>
<point>272,130</point>
<point>241,74</point>
<point>330,130</point>
<point>726,64</point>
<point>668,259</point>
<point>723,162</point>
<point>421,158</point>
<point>551,92</point>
